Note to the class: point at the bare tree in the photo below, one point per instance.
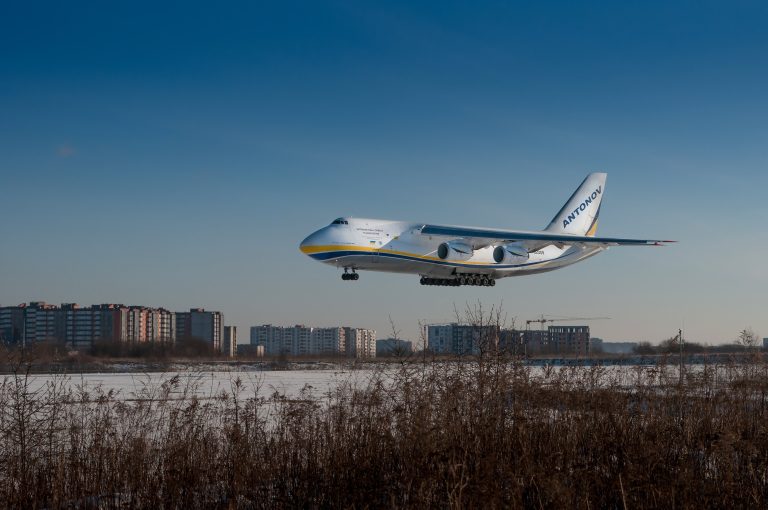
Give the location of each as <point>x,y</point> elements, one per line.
<point>398,350</point>
<point>486,327</point>
<point>747,338</point>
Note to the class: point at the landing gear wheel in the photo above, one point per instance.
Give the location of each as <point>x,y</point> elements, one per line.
<point>349,276</point>
<point>492,283</point>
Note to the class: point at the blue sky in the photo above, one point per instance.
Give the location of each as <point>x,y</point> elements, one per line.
<point>176,154</point>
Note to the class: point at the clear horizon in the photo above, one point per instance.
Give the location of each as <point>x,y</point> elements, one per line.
<point>176,156</point>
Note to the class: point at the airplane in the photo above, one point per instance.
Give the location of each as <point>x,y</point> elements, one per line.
<point>453,256</point>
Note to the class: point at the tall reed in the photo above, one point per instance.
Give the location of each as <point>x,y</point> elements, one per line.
<point>488,433</point>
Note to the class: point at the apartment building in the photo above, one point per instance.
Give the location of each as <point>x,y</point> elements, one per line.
<point>11,324</point>
<point>569,339</point>
<point>84,326</point>
<point>80,327</point>
<point>329,340</point>
<point>269,336</point>
<point>301,340</point>
<point>42,322</point>
<point>200,324</point>
<point>461,339</point>
<point>360,343</point>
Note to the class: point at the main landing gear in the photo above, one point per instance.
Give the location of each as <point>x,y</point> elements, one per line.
<point>350,276</point>
<point>460,279</point>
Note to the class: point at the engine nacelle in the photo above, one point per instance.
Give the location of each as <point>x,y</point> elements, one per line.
<point>455,250</point>
<point>510,254</point>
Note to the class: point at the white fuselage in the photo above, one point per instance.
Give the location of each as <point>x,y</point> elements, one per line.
<point>400,247</point>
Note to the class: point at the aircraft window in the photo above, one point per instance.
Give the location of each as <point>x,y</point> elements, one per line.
<point>339,222</point>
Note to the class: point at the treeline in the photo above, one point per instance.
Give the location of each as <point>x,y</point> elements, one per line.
<point>747,341</point>
<point>184,347</point>
<point>672,346</point>
<point>55,351</point>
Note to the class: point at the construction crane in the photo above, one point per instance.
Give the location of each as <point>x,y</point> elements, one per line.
<point>543,320</point>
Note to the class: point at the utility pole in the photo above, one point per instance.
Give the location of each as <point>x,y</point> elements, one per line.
<point>23,332</point>
<point>680,341</point>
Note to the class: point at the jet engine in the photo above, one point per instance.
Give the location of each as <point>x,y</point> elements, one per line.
<point>510,254</point>
<point>455,250</point>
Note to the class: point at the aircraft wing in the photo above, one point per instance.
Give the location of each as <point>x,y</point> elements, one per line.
<point>532,240</point>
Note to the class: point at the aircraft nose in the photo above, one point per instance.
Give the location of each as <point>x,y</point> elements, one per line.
<point>310,241</point>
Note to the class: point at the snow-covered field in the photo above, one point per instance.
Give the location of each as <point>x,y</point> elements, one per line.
<point>315,383</point>
<point>206,384</point>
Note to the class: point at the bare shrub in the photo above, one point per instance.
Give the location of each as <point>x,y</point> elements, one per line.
<point>490,432</point>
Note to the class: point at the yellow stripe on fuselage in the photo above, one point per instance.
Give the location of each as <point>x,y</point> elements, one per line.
<point>334,247</point>
<point>365,249</point>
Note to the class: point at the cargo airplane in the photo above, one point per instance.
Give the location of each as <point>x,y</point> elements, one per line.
<point>454,256</point>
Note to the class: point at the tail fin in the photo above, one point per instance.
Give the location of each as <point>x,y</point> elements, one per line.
<point>579,214</point>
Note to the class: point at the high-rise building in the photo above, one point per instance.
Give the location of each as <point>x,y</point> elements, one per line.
<point>161,325</point>
<point>440,338</point>
<point>84,326</point>
<point>569,339</point>
<point>329,341</point>
<point>271,337</point>
<point>461,339</point>
<point>556,340</point>
<point>229,345</point>
<point>138,331</point>
<point>536,341</point>
<point>116,323</point>
<point>202,325</point>
<point>42,322</point>
<point>360,343</point>
<point>303,340</point>
<point>11,324</point>
<point>81,327</point>
<point>297,340</point>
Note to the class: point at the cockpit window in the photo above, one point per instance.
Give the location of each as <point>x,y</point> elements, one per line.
<point>340,221</point>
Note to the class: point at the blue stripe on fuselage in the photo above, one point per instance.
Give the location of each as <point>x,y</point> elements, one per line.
<point>339,254</point>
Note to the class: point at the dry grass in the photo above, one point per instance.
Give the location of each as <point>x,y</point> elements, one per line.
<point>490,434</point>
